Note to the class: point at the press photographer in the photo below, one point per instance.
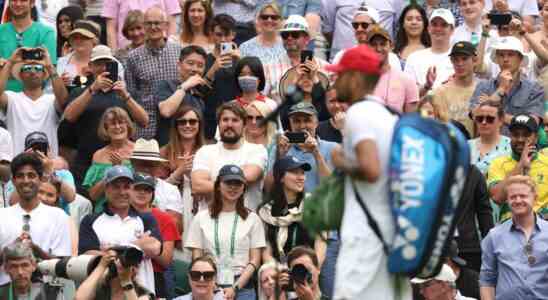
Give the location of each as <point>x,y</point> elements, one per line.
<point>20,263</point>
<point>115,277</point>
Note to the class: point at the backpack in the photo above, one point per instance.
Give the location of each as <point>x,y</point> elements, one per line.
<point>427,168</point>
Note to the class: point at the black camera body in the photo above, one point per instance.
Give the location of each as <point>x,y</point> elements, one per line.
<point>300,274</point>
<point>128,256</point>
<point>32,54</point>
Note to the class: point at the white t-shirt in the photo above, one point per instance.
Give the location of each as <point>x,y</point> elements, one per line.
<point>523,7</point>
<point>6,145</point>
<point>361,254</point>
<point>188,202</point>
<point>212,158</point>
<point>250,234</point>
<point>47,11</point>
<point>49,229</point>
<point>25,115</point>
<point>217,296</point>
<point>167,196</point>
<point>418,63</point>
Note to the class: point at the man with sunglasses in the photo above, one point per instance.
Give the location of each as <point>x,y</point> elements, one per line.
<point>431,67</point>
<point>524,160</point>
<point>456,93</point>
<point>514,256</point>
<point>148,66</point>
<point>46,229</point>
<point>22,31</point>
<point>189,89</point>
<point>32,109</point>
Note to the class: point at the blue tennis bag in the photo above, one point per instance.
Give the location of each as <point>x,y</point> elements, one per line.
<point>428,166</point>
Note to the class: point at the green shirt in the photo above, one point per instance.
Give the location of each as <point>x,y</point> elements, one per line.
<point>37,35</point>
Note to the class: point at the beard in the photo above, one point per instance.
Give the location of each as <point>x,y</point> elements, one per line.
<point>230,139</point>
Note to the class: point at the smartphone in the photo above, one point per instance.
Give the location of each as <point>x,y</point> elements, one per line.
<point>32,54</point>
<point>306,55</point>
<point>227,48</point>
<point>499,19</point>
<point>296,137</point>
<point>112,69</point>
<point>40,147</point>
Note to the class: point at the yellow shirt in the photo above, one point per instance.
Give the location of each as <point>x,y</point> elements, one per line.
<point>503,165</point>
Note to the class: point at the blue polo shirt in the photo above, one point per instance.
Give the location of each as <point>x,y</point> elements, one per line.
<point>312,177</point>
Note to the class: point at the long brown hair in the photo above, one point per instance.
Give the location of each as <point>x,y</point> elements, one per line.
<point>173,148</point>
<point>186,33</point>
<point>217,204</point>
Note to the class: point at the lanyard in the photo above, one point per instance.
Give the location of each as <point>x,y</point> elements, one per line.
<point>10,293</point>
<point>232,236</point>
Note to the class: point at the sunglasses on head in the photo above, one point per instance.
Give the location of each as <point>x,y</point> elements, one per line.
<point>32,68</point>
<point>293,34</point>
<point>271,17</point>
<point>486,119</point>
<point>205,276</point>
<point>357,25</point>
<point>190,122</point>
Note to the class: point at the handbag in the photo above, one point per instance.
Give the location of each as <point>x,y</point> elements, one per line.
<point>323,209</point>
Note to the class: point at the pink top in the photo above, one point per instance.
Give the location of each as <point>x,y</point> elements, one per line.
<point>396,89</point>
<point>118,9</point>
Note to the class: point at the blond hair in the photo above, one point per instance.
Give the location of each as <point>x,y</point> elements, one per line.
<point>519,179</point>
<point>119,114</point>
<point>264,110</point>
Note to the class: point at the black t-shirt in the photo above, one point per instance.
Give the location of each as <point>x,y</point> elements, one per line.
<point>166,88</point>
<point>86,127</point>
<point>224,89</point>
<point>327,132</point>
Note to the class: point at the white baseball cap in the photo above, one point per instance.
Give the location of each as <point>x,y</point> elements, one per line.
<point>446,274</point>
<point>365,9</point>
<point>509,43</point>
<point>443,13</point>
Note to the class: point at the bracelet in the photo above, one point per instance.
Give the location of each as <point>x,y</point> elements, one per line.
<point>485,34</point>
<point>253,265</point>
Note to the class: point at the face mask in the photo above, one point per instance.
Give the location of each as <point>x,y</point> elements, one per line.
<point>248,83</point>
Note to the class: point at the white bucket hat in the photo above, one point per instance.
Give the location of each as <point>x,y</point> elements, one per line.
<point>509,43</point>
<point>446,274</point>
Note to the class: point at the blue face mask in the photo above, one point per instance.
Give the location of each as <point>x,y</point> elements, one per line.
<point>248,83</point>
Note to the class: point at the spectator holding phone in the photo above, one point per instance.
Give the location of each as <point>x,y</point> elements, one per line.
<point>525,159</point>
<point>32,109</point>
<point>302,142</point>
<point>88,104</point>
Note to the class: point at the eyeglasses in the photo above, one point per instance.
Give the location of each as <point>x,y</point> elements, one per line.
<point>357,25</point>
<point>32,68</point>
<point>528,249</point>
<point>184,122</point>
<point>205,276</point>
<point>271,17</point>
<point>154,23</point>
<point>255,118</point>
<point>293,34</point>
<point>486,119</point>
<point>26,223</point>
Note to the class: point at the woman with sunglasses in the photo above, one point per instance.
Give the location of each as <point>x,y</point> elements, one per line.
<point>202,274</point>
<point>185,138</point>
<point>232,233</point>
<point>196,30</point>
<point>256,112</point>
<point>488,119</point>
<point>66,18</point>
<point>267,45</point>
<point>412,34</point>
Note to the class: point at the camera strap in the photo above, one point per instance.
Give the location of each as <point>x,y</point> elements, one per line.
<point>232,236</point>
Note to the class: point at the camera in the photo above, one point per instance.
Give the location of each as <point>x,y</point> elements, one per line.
<point>300,274</point>
<point>112,69</point>
<point>80,267</point>
<point>41,147</point>
<point>32,54</point>
<point>296,137</point>
<point>499,19</point>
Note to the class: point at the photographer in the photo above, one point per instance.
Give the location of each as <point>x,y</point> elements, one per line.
<point>20,263</point>
<point>122,286</point>
<point>304,270</point>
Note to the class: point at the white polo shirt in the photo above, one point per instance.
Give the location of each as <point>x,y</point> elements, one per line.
<point>49,230</point>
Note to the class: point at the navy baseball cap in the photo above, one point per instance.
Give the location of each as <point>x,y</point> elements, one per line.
<point>117,172</point>
<point>288,163</point>
<point>144,180</point>
<point>231,172</point>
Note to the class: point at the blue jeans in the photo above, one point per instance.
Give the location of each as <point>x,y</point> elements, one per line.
<point>327,274</point>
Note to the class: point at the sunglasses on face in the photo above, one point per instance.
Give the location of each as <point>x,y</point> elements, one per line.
<point>205,276</point>
<point>363,25</point>
<point>486,119</point>
<point>293,34</point>
<point>528,249</point>
<point>271,17</point>
<point>32,68</point>
<point>26,223</point>
<point>255,118</point>
<point>191,122</point>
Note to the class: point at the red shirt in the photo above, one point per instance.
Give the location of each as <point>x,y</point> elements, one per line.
<point>168,231</point>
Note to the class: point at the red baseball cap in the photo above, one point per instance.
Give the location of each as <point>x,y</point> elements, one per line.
<point>360,58</point>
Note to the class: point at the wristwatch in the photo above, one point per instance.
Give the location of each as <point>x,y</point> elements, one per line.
<point>236,288</point>
<point>128,287</point>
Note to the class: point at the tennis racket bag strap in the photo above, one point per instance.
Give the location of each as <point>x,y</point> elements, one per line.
<point>428,163</point>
